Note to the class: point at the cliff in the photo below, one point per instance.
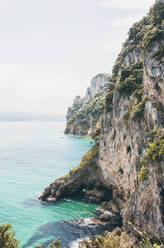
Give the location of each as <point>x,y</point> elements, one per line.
<point>128,168</point>
<point>83,116</point>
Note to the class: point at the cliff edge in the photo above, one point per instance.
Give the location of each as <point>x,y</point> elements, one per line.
<point>85,113</point>
<point>127,167</point>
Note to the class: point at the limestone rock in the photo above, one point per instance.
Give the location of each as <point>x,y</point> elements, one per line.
<point>129,166</point>
<point>78,124</point>
<point>81,182</point>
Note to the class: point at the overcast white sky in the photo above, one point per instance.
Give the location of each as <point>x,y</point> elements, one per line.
<point>51,49</point>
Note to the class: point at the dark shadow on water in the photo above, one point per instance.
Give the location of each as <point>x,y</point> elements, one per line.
<point>67,231</point>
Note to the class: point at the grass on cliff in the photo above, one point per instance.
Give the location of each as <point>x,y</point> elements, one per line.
<point>130,79</point>
<point>143,174</point>
<point>155,150</point>
<point>126,75</point>
<point>86,160</point>
<point>119,239</point>
<point>138,110</point>
<point>96,136</point>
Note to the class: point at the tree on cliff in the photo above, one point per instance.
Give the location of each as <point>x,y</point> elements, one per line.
<point>7,237</point>
<point>8,240</point>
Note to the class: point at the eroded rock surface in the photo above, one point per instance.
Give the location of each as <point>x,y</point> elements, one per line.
<point>83,182</point>
<point>127,170</point>
<point>83,116</point>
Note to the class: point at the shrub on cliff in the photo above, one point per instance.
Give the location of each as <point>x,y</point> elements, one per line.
<point>130,79</point>
<point>138,110</point>
<point>55,244</point>
<point>87,158</point>
<point>140,37</point>
<point>144,174</point>
<point>155,151</point>
<point>96,136</point>
<point>7,237</point>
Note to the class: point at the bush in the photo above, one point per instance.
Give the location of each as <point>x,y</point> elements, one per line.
<point>86,159</point>
<point>140,37</point>
<point>155,151</point>
<point>108,103</point>
<point>152,34</point>
<point>7,237</point>
<point>112,242</point>
<point>96,136</point>
<point>130,79</point>
<point>138,110</point>
<point>56,244</point>
<point>143,175</point>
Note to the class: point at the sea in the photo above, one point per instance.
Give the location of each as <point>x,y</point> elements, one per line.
<point>32,155</point>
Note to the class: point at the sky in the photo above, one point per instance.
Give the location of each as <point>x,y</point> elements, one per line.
<point>51,49</point>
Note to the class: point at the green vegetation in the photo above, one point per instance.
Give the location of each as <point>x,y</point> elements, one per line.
<point>127,75</point>
<point>96,136</point>
<point>126,118</point>
<point>138,110</point>
<point>94,108</point>
<point>136,113</point>
<point>7,237</point>
<point>8,240</point>
<point>108,97</point>
<point>144,239</point>
<point>139,92</point>
<point>144,174</point>
<point>158,105</point>
<point>109,240</point>
<point>87,158</point>
<point>149,29</point>
<point>140,37</point>
<point>159,55</point>
<point>130,79</point>
<point>153,33</point>
<point>55,244</point>
<point>155,151</point>
<point>119,239</point>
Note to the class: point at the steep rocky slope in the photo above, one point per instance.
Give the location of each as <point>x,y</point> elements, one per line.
<point>128,168</point>
<point>85,113</point>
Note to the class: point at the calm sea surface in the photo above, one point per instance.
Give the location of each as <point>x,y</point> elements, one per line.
<point>32,155</point>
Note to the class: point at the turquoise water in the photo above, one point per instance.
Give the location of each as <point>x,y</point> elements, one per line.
<point>32,155</point>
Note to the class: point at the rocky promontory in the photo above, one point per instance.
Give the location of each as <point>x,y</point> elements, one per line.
<point>82,182</point>
<point>126,167</point>
<point>85,113</point>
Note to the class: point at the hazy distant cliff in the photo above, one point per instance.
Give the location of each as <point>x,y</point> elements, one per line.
<point>126,167</point>
<point>85,112</point>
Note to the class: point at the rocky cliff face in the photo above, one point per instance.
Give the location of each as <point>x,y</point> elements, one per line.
<point>76,183</point>
<point>130,159</point>
<point>84,111</point>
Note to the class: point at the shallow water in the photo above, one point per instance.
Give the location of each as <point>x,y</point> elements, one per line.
<point>32,155</point>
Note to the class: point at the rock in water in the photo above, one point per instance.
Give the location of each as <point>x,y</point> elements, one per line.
<point>126,168</point>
